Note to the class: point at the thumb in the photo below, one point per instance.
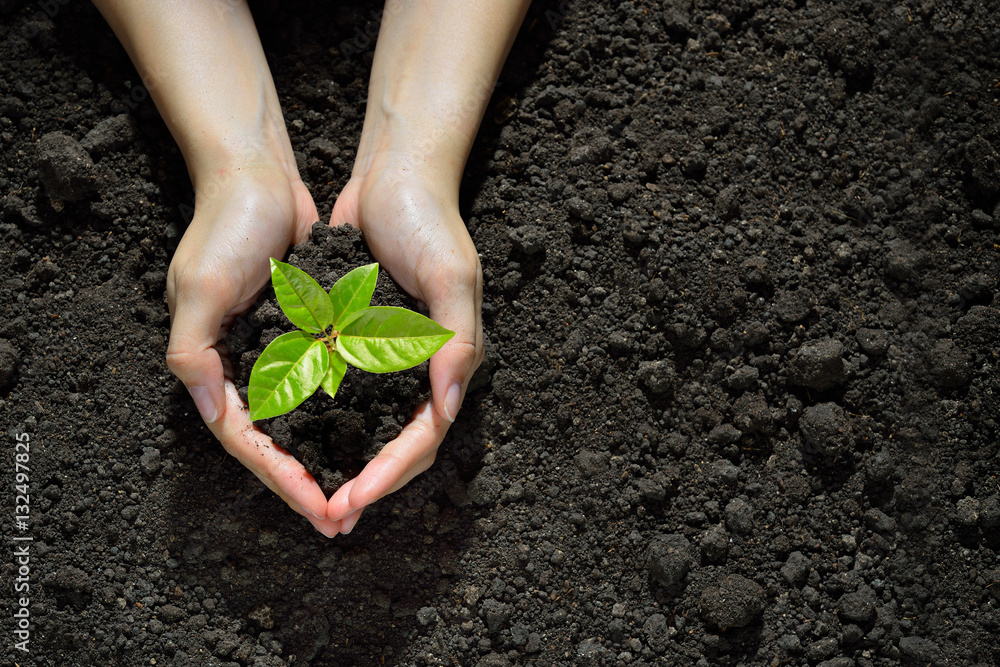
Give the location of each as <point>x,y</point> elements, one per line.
<point>191,353</point>
<point>345,209</point>
<point>459,308</point>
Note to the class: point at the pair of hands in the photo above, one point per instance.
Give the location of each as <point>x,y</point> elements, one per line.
<point>255,211</point>
<point>435,66</point>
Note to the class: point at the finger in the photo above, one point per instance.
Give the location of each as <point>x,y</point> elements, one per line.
<point>345,209</point>
<point>457,307</point>
<point>348,522</point>
<point>326,527</point>
<point>279,470</point>
<point>339,505</point>
<point>411,453</point>
<point>196,318</point>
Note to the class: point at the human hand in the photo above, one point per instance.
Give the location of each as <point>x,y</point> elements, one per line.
<point>426,98</point>
<point>247,214</point>
<point>204,66</point>
<point>414,230</point>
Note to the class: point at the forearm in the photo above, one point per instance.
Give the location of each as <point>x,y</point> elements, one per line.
<point>434,71</point>
<point>204,68</point>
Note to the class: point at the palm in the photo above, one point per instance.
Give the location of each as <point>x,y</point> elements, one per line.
<point>423,244</point>
<point>412,234</point>
<point>218,270</point>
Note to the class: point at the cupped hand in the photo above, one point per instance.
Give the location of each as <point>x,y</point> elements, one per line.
<point>243,216</point>
<point>413,228</point>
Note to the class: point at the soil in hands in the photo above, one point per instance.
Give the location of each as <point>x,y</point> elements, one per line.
<point>333,438</point>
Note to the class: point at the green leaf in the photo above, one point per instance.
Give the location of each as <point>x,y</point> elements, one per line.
<point>352,293</point>
<point>301,298</point>
<point>385,339</point>
<point>286,373</point>
<point>334,374</point>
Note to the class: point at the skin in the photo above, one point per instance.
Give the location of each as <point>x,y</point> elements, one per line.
<point>433,73</point>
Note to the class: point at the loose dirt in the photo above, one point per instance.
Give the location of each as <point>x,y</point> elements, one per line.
<point>740,392</point>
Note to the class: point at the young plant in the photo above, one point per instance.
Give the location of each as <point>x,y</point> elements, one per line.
<point>337,328</point>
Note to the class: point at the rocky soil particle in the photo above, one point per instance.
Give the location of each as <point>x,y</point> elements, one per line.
<point>739,398</point>
<point>826,429</point>
<point>818,364</point>
<point>10,357</point>
<point>669,559</point>
<point>733,602</point>
<point>111,134</point>
<point>66,170</point>
<point>859,606</point>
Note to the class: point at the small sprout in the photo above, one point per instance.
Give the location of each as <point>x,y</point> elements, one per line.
<point>336,328</point>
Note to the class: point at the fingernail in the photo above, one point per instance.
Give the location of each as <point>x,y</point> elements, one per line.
<point>203,401</point>
<point>326,534</point>
<point>453,401</point>
<point>313,514</point>
<point>348,523</point>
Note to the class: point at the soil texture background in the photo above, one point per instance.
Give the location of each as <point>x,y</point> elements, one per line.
<point>739,399</point>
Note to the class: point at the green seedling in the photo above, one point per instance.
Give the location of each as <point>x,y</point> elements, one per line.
<point>336,329</point>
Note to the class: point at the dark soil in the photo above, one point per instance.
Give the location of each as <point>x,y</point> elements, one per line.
<point>740,391</point>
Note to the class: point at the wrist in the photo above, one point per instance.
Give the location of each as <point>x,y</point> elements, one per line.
<point>412,147</point>
<point>216,154</point>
